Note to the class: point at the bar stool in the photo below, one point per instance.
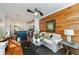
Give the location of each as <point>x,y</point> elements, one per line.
<point>74,51</point>
<point>66,49</point>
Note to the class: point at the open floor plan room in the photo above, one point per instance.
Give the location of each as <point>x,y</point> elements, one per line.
<point>39,28</point>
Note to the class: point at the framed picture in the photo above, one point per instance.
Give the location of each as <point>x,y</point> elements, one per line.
<point>50,26</point>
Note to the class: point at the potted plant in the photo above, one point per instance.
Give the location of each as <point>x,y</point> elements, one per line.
<point>37,38</point>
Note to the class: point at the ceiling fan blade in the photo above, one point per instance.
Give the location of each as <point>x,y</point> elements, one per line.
<point>30,11</point>
<point>39,12</point>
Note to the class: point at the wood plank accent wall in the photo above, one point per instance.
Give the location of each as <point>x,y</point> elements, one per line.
<point>65,19</point>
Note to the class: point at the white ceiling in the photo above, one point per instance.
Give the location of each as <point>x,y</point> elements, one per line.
<point>17,11</point>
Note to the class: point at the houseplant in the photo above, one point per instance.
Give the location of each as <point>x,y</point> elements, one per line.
<point>36,37</point>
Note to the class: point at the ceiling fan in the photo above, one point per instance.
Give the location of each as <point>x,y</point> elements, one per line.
<point>36,10</point>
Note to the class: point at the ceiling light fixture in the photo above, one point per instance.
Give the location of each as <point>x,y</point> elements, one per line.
<point>35,13</point>
<point>36,10</point>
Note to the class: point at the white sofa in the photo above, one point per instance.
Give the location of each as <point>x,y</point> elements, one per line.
<point>52,43</point>
<point>2,47</point>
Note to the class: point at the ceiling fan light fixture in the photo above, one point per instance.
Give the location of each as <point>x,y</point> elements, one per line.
<point>35,13</point>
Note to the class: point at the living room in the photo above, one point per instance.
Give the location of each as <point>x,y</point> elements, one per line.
<point>39,28</point>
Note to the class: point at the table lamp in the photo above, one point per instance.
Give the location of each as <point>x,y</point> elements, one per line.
<point>69,33</point>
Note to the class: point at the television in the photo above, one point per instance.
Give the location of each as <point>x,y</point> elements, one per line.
<point>50,26</point>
